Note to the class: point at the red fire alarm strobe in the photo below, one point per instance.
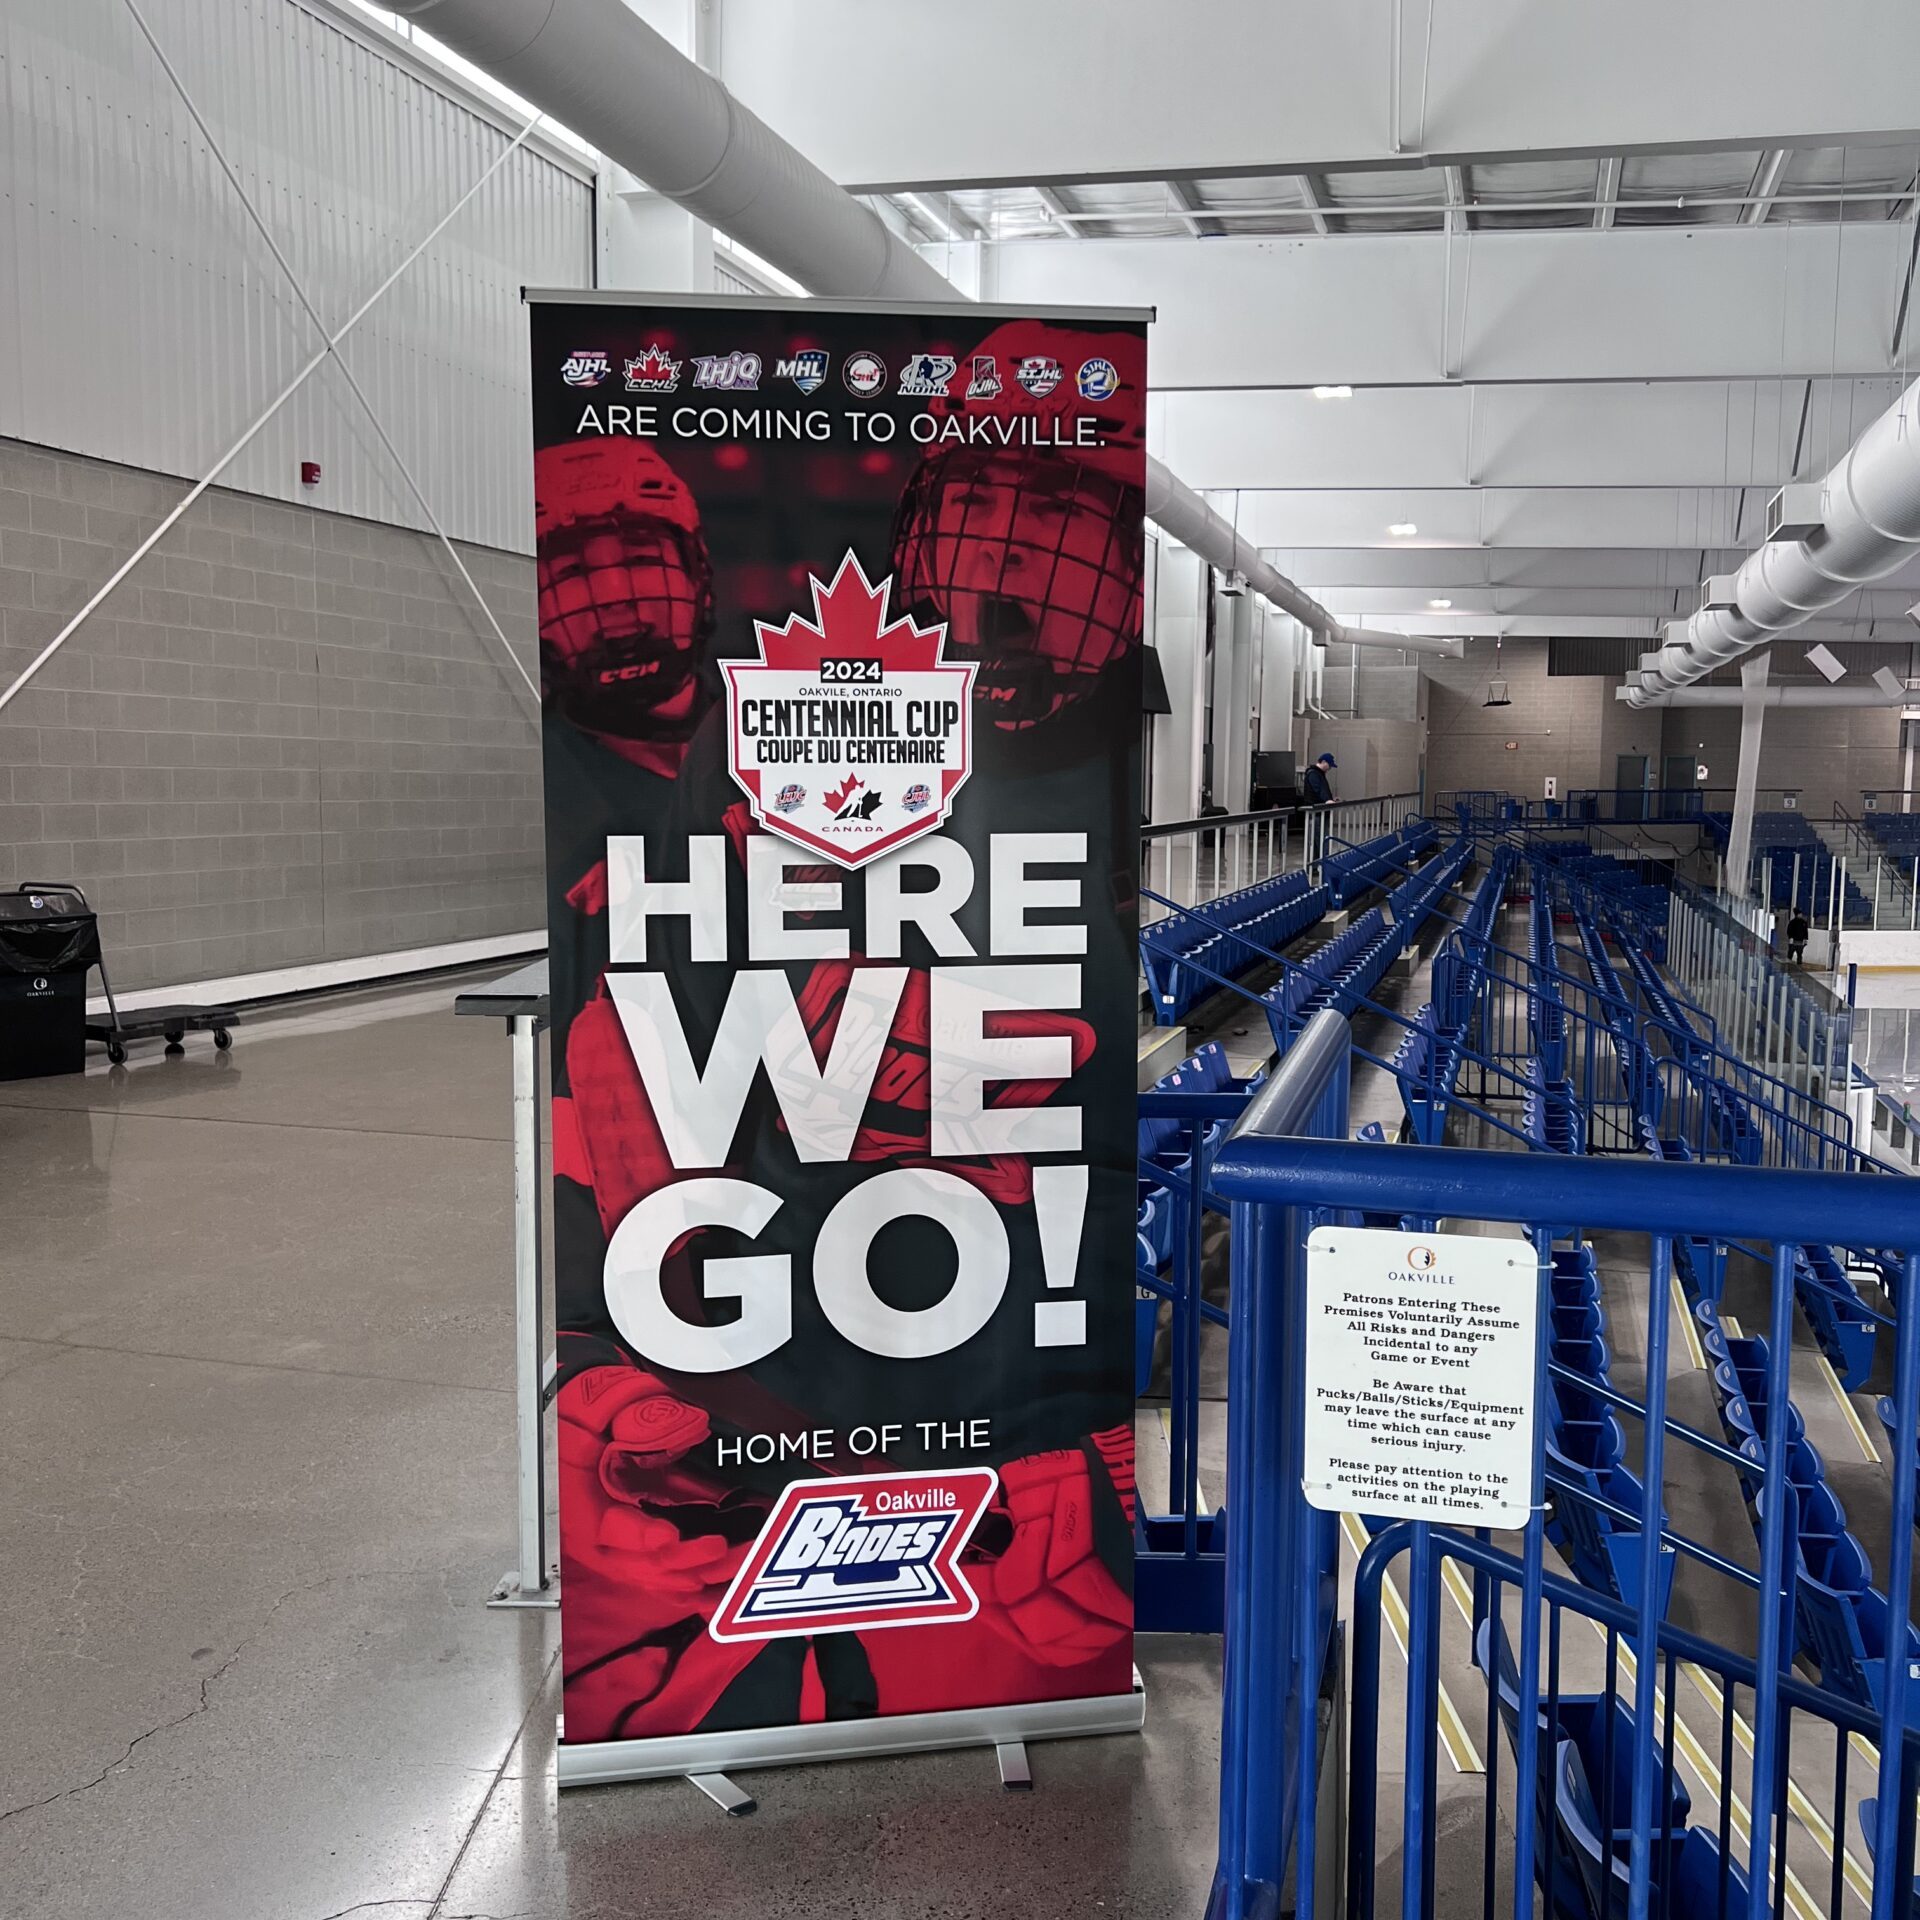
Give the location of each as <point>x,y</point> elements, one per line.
<point>309,473</point>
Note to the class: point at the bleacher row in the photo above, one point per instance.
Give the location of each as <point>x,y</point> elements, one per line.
<point>1552,1118</point>
<point>1428,1059</point>
<point>1840,1616</point>
<point>1345,972</point>
<point>1800,869</point>
<point>1166,1186</point>
<point>1599,1507</point>
<point>1189,954</point>
<point>1591,1487</point>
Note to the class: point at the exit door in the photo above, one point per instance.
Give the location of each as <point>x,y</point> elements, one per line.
<point>1678,801</point>
<point>1630,786</point>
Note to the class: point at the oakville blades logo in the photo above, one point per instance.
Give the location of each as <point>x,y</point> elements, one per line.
<point>872,1550</point>
<point>855,713</point>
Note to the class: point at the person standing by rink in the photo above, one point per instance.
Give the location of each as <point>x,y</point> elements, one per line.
<point>1797,932</point>
<point>1319,786</point>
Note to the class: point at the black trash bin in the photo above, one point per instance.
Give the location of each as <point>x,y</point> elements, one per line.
<point>48,940</point>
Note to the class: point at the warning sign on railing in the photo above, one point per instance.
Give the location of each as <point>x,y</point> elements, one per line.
<point>1420,1375</point>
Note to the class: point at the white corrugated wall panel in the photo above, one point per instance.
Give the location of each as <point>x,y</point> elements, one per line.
<point>145,321</point>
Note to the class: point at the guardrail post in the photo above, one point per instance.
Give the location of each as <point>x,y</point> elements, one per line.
<point>1893,1839</point>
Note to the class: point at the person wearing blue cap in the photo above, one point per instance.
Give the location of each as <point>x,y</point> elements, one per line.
<point>1319,787</point>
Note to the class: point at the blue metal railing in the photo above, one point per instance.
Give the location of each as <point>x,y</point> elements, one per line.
<point>1284,1170</point>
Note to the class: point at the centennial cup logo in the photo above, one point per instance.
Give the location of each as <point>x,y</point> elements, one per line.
<point>858,712</point>
<point>872,1550</point>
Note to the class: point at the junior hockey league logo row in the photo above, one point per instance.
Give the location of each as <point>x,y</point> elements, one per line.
<point>925,376</point>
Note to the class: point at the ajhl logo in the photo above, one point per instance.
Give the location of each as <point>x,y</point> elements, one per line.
<point>585,368</point>
<point>872,1550</point>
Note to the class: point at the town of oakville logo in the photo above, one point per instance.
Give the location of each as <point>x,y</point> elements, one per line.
<point>1421,1257</point>
<point>860,712</point>
<point>872,1550</point>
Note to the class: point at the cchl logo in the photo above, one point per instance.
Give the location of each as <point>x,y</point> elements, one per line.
<point>873,1550</point>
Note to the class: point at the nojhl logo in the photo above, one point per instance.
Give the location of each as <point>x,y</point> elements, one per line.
<point>873,1550</point>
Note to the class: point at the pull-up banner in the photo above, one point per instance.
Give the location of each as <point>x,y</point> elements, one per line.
<point>840,658</point>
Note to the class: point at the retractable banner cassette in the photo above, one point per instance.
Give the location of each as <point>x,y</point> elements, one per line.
<point>840,660</point>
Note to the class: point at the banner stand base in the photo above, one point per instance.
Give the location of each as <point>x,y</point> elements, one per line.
<point>734,1801</point>
<point>694,1755</point>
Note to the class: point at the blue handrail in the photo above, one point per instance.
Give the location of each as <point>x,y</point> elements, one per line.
<point>1279,1184</point>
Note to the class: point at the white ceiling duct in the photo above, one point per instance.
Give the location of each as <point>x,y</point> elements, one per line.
<point>597,67</point>
<point>1770,696</point>
<point>1869,524</point>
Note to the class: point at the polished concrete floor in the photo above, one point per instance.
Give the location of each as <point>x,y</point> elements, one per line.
<point>254,1409</point>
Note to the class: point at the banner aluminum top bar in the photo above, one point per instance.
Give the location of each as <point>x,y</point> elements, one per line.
<point>973,309</point>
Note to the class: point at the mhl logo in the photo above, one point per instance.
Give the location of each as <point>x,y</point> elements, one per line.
<point>867,1551</point>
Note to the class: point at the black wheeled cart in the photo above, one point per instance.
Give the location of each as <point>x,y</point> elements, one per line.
<point>49,938</point>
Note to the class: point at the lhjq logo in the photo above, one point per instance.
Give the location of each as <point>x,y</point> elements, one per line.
<point>876,1550</point>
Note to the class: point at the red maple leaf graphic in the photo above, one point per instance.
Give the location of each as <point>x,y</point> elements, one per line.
<point>837,797</point>
<point>653,365</point>
<point>850,620</point>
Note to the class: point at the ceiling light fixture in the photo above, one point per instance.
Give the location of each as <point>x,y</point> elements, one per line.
<point>1333,393</point>
<point>1403,529</point>
<point>1497,694</point>
<point>1440,606</point>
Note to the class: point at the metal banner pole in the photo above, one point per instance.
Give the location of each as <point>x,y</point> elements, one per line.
<point>532,1582</point>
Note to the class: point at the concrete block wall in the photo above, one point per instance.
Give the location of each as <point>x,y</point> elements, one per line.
<point>1570,727</point>
<point>288,736</point>
<point>1831,754</point>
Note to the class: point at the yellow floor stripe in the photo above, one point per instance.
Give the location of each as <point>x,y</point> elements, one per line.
<point>1707,1771</point>
<point>1862,1438</point>
<point>1688,1323</point>
<point>1803,1809</point>
<point>1453,1730</point>
<point>1166,1433</point>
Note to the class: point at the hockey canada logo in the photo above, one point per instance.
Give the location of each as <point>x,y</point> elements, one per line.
<point>856,711</point>
<point>654,371</point>
<point>585,368</point>
<point>872,1550</point>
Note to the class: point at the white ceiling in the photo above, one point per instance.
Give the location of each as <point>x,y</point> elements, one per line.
<point>1726,188</point>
